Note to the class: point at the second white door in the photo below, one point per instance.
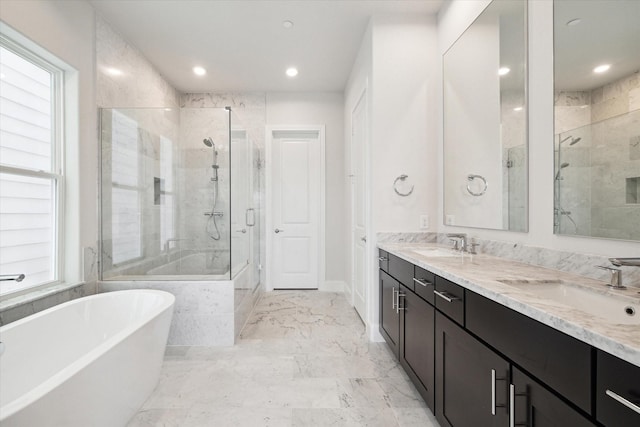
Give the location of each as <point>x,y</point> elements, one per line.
<point>296,161</point>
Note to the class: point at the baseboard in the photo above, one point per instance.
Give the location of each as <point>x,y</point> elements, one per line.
<point>333,286</point>
<point>374,333</point>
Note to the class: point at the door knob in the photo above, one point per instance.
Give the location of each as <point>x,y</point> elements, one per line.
<point>278,231</point>
<point>364,239</point>
<point>244,230</point>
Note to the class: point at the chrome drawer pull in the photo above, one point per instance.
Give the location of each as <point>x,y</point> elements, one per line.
<point>393,298</point>
<point>422,282</point>
<point>383,258</point>
<point>622,400</point>
<point>445,296</point>
<point>494,405</point>
<point>398,308</point>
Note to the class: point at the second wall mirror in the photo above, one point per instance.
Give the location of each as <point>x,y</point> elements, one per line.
<point>485,121</point>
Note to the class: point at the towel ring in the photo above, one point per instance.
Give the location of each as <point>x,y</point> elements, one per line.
<point>470,178</point>
<point>395,188</point>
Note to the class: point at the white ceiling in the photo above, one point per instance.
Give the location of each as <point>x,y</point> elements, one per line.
<point>243,44</point>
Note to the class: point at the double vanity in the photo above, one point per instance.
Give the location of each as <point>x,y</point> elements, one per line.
<point>493,342</point>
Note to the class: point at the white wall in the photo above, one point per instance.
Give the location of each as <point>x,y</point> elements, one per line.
<point>403,126</point>
<point>452,21</point>
<point>397,63</point>
<point>321,109</point>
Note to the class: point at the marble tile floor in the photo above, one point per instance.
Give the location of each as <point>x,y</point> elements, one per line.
<point>303,359</point>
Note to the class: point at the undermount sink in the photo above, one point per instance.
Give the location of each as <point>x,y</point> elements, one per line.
<point>437,252</point>
<point>607,307</point>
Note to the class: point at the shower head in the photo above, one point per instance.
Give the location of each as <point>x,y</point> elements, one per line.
<point>209,142</point>
<point>575,141</point>
<point>562,166</point>
<point>564,139</point>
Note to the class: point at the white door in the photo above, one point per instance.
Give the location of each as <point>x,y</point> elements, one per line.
<point>359,205</point>
<point>295,209</point>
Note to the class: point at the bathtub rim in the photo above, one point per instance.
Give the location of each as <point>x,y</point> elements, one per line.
<point>10,408</point>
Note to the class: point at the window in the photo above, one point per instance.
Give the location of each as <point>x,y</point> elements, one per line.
<point>31,173</point>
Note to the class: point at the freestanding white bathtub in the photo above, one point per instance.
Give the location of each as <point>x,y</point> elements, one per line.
<point>88,362</point>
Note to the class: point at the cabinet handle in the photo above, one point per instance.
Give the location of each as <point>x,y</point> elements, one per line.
<point>446,296</point>
<point>493,391</point>
<point>398,308</point>
<point>512,408</point>
<point>393,298</point>
<point>422,282</point>
<point>635,408</point>
<point>382,258</point>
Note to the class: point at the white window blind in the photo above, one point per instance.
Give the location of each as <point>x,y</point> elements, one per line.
<point>30,173</point>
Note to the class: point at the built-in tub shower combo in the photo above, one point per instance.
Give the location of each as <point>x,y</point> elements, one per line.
<point>169,212</point>
<point>559,212</point>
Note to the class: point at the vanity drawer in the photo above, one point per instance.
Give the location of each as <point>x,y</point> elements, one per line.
<point>558,360</point>
<point>449,299</point>
<point>622,381</point>
<point>401,270</point>
<point>383,260</point>
<point>424,281</point>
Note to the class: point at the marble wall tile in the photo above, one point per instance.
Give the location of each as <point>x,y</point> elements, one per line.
<point>28,304</point>
<point>124,90</point>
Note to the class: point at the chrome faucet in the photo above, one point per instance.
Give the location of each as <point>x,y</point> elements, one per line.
<point>459,241</point>
<point>615,281</point>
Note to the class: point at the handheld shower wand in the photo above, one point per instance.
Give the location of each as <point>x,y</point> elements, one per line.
<point>215,234</point>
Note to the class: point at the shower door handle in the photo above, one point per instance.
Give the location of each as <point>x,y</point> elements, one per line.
<point>277,230</point>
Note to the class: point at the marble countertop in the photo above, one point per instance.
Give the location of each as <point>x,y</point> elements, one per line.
<point>483,274</point>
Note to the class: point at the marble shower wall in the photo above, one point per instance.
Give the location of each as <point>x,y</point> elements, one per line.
<point>250,109</point>
<point>600,186</point>
<point>125,78</point>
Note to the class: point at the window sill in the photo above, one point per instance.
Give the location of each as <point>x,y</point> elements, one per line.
<point>8,302</point>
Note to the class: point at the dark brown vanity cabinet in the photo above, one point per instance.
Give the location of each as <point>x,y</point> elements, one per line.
<point>389,315</point>
<point>617,392</point>
<point>478,363</point>
<point>417,343</point>
<point>535,406</point>
<point>471,380</point>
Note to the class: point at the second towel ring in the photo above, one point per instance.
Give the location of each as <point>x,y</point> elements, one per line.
<point>395,188</point>
<point>470,178</point>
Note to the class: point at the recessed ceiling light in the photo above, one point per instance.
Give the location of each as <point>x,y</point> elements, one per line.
<point>573,22</point>
<point>114,71</point>
<point>199,71</point>
<point>504,71</point>
<point>517,109</point>
<point>602,68</point>
<point>292,72</point>
<point>287,24</point>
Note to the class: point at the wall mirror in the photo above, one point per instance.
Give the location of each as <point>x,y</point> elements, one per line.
<point>485,121</point>
<point>597,118</point>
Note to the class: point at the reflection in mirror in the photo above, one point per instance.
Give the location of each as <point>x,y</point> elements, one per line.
<point>485,125</point>
<point>597,118</point>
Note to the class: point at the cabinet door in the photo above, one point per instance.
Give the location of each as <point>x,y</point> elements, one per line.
<point>389,317</point>
<point>535,406</point>
<point>466,393</point>
<point>417,344</point>
<point>618,392</point>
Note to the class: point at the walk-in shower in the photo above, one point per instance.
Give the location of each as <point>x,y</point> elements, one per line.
<point>177,188</point>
